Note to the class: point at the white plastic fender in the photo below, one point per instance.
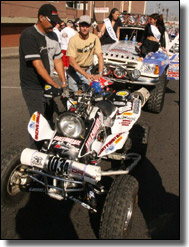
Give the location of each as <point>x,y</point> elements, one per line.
<point>113,143</point>
<point>39,128</point>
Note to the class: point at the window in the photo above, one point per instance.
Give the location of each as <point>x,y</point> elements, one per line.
<point>77,4</point>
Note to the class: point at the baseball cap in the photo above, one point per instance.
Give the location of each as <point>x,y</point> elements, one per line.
<point>85,18</point>
<point>50,11</point>
<point>70,21</point>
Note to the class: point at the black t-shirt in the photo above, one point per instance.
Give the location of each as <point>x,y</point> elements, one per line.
<point>35,45</point>
<point>106,39</point>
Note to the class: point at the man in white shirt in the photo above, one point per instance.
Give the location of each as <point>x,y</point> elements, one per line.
<point>66,34</point>
<point>56,30</point>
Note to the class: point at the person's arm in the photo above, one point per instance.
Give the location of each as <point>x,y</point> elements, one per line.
<point>43,73</point>
<point>100,67</point>
<point>102,31</point>
<point>118,33</point>
<point>59,66</point>
<point>75,65</point>
<point>98,52</point>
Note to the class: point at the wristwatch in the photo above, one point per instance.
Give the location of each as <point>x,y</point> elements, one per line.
<point>100,73</point>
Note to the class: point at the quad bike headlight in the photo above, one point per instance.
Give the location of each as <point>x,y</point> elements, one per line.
<point>119,72</point>
<point>135,74</point>
<point>106,70</point>
<point>70,125</point>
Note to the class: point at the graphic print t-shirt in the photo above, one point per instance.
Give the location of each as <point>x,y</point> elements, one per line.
<point>35,45</point>
<point>83,50</point>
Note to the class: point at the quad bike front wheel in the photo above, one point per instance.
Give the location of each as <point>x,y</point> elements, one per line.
<point>14,179</point>
<point>119,207</point>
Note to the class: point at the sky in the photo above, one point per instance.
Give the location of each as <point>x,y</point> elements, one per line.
<point>173,6</point>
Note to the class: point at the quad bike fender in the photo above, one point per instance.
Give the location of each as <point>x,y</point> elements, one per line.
<point>112,143</point>
<point>39,128</point>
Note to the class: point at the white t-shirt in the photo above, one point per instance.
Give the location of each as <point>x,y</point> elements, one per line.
<point>156,32</point>
<point>66,34</point>
<point>58,34</point>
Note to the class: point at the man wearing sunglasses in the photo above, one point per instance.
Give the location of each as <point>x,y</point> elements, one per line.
<point>40,53</point>
<point>81,49</point>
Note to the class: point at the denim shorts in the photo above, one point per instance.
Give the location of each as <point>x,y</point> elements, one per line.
<point>76,80</point>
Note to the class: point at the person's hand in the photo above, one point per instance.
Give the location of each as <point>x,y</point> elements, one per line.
<point>139,44</point>
<point>89,77</point>
<point>97,77</point>
<point>64,84</point>
<point>99,34</point>
<point>163,48</point>
<point>56,85</point>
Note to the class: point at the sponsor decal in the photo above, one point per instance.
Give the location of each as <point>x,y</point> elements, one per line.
<point>37,161</point>
<point>47,87</point>
<point>119,103</point>
<point>68,140</point>
<point>37,126</point>
<point>111,148</point>
<point>127,114</point>
<point>108,145</point>
<point>122,93</point>
<point>32,125</point>
<point>78,172</point>
<point>118,140</point>
<point>126,122</point>
<point>125,108</point>
<point>93,133</point>
<point>34,117</point>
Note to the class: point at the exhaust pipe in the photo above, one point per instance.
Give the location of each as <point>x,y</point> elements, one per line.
<point>53,164</point>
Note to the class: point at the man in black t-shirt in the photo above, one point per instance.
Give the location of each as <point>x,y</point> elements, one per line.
<point>40,53</point>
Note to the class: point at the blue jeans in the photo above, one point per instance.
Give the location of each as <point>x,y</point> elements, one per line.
<point>76,80</point>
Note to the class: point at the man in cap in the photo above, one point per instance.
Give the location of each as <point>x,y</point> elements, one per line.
<point>81,49</point>
<point>40,53</point>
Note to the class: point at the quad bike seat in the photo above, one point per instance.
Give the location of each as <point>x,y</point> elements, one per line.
<point>106,107</point>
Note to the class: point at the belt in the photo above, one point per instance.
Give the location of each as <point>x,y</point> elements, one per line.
<point>85,68</point>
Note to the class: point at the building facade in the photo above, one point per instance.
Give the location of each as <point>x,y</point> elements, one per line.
<point>17,15</point>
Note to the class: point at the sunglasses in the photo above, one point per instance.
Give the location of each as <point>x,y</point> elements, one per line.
<point>84,25</point>
<point>51,22</point>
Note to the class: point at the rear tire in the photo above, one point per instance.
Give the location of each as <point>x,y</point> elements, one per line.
<point>12,194</point>
<point>119,207</point>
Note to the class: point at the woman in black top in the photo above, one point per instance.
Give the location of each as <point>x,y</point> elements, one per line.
<point>153,37</point>
<point>116,24</point>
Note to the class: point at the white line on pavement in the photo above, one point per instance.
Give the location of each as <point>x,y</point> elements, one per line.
<point>10,87</point>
